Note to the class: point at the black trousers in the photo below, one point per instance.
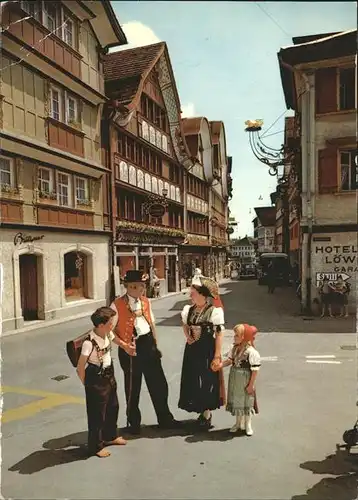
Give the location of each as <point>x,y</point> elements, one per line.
<point>102,407</point>
<point>147,362</point>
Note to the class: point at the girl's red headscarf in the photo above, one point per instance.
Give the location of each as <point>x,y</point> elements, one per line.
<point>250,332</point>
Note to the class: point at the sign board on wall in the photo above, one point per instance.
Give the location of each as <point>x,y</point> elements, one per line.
<point>332,277</point>
<point>334,255</point>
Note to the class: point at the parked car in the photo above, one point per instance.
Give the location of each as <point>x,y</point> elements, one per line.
<point>281,265</point>
<point>248,271</point>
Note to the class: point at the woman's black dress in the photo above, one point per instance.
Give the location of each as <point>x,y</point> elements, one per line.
<point>200,386</point>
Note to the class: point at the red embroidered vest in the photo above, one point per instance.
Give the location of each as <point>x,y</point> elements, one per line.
<point>126,317</point>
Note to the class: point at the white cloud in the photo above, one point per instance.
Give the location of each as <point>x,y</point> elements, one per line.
<point>188,110</point>
<point>138,35</point>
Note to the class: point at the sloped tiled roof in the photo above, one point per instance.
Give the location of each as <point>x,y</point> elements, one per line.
<point>128,67</point>
<point>266,215</point>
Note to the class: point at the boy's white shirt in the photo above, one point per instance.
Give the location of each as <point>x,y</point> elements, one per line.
<point>90,352</point>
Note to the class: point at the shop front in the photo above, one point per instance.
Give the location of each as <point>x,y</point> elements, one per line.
<point>194,254</point>
<point>154,251</point>
<point>52,275</point>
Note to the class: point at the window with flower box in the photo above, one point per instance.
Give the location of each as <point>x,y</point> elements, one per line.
<point>7,178</point>
<point>82,191</point>
<point>64,189</point>
<point>65,107</point>
<point>45,182</point>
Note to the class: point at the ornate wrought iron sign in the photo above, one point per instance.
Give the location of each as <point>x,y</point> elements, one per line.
<point>21,238</point>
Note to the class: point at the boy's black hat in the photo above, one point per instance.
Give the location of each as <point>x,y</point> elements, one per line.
<point>133,276</point>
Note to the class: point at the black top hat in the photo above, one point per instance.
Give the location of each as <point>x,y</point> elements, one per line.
<point>133,276</point>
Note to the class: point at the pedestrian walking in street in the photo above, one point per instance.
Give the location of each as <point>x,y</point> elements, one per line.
<point>271,277</point>
<point>245,363</point>
<point>326,292</point>
<point>134,324</point>
<point>95,370</point>
<point>202,390</point>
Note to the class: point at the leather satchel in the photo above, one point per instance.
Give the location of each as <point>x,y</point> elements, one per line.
<point>74,347</point>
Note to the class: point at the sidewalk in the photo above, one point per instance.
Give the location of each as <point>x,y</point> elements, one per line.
<point>39,324</point>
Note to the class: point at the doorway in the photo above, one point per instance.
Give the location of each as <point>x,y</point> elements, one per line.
<point>29,286</point>
<point>171,273</point>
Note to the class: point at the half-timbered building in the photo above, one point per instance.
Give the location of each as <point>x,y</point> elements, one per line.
<point>53,179</point>
<point>149,157</point>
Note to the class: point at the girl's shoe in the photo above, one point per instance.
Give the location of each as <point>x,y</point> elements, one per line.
<point>248,427</point>
<point>239,425</point>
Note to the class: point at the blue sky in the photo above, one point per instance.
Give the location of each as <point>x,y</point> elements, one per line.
<point>224,56</point>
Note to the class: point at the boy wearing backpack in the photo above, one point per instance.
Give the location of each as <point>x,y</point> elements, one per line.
<point>95,370</point>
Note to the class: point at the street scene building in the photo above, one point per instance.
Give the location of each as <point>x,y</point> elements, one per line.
<point>322,92</point>
<point>265,228</point>
<point>55,232</point>
<point>152,313</point>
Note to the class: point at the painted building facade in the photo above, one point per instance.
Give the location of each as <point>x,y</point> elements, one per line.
<point>265,229</point>
<point>54,232</point>
<point>322,92</point>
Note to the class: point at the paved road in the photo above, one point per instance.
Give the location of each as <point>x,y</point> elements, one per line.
<point>307,395</point>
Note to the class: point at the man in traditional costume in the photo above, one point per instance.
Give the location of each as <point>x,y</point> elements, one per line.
<point>134,324</point>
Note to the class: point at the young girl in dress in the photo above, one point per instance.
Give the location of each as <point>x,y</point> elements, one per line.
<point>245,363</point>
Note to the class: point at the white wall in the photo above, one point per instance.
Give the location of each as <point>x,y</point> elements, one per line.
<point>51,250</point>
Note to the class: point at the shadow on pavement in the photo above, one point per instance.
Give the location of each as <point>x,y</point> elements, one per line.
<point>43,459</point>
<point>216,435</point>
<point>344,466</point>
<point>73,447</point>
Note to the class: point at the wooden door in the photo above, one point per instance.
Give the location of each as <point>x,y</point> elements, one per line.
<point>172,274</point>
<point>28,287</point>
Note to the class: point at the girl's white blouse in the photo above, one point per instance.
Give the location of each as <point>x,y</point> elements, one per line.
<point>217,316</point>
<point>253,356</point>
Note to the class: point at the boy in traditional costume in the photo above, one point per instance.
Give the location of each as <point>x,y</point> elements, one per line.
<point>100,384</point>
<point>134,325</point>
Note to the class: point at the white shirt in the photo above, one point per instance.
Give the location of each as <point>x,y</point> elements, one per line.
<point>141,325</point>
<point>217,315</point>
<point>88,349</point>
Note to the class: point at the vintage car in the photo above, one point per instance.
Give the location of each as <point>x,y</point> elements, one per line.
<point>281,265</point>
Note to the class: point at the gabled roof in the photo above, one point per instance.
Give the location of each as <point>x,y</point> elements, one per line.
<point>318,48</point>
<point>105,23</point>
<point>125,75</point>
<point>129,68</point>
<point>191,128</point>
<point>215,127</point>
<point>266,215</point>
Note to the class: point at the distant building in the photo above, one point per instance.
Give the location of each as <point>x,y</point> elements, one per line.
<point>265,229</point>
<point>243,250</point>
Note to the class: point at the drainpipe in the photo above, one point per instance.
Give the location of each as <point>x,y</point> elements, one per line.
<point>308,183</point>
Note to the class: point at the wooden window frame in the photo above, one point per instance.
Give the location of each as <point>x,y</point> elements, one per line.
<point>60,103</point>
<point>353,154</point>
<point>11,171</point>
<point>87,193</point>
<point>68,97</point>
<point>69,186</point>
<point>50,181</point>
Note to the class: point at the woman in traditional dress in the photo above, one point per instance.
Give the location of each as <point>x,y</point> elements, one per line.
<point>202,390</point>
